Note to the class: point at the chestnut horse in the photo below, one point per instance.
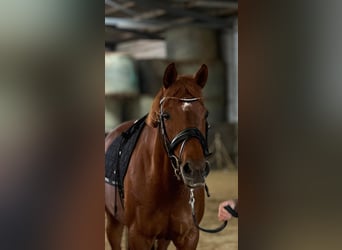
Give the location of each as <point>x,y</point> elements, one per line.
<point>168,160</point>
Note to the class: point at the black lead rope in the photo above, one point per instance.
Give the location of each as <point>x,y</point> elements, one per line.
<point>215,230</point>
<point>232,211</point>
<point>220,228</point>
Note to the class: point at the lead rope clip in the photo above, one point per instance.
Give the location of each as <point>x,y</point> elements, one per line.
<point>192,201</point>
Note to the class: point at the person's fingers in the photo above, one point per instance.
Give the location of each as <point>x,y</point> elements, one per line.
<point>231,203</point>
<point>223,214</point>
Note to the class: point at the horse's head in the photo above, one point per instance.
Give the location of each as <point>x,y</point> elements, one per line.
<point>179,112</point>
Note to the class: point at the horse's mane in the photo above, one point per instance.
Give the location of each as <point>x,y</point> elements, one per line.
<point>183,87</point>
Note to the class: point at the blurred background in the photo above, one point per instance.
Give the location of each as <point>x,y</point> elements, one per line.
<point>141,38</point>
<point>52,78</point>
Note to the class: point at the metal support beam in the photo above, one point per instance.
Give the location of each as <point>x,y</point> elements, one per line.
<point>121,7</point>
<point>150,14</point>
<point>140,34</point>
<point>127,23</point>
<point>180,12</point>
<point>215,4</point>
<point>158,26</point>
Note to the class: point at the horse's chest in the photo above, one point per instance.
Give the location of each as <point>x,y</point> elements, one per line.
<point>163,223</point>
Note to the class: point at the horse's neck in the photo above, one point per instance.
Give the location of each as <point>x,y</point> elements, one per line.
<point>157,171</point>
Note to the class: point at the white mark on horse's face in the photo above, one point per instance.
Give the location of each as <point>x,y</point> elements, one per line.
<point>186,106</point>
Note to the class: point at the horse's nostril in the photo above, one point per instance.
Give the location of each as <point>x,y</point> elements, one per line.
<point>186,168</point>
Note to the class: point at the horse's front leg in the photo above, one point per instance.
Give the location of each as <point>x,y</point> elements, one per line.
<point>114,231</point>
<point>162,244</point>
<point>138,241</point>
<point>188,241</point>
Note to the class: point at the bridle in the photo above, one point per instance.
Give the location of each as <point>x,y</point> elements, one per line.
<point>181,138</point>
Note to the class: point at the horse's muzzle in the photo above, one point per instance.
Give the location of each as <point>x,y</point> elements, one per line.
<point>194,176</point>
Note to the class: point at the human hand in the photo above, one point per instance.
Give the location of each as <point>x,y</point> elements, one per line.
<point>223,214</point>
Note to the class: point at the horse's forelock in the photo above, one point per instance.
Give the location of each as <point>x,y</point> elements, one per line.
<point>185,86</point>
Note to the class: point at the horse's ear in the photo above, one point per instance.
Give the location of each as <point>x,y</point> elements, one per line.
<point>170,75</point>
<point>201,76</point>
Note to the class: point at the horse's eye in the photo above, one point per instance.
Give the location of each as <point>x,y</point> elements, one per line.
<point>206,114</point>
<point>166,116</point>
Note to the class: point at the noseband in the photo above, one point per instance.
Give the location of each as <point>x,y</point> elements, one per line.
<point>182,137</point>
